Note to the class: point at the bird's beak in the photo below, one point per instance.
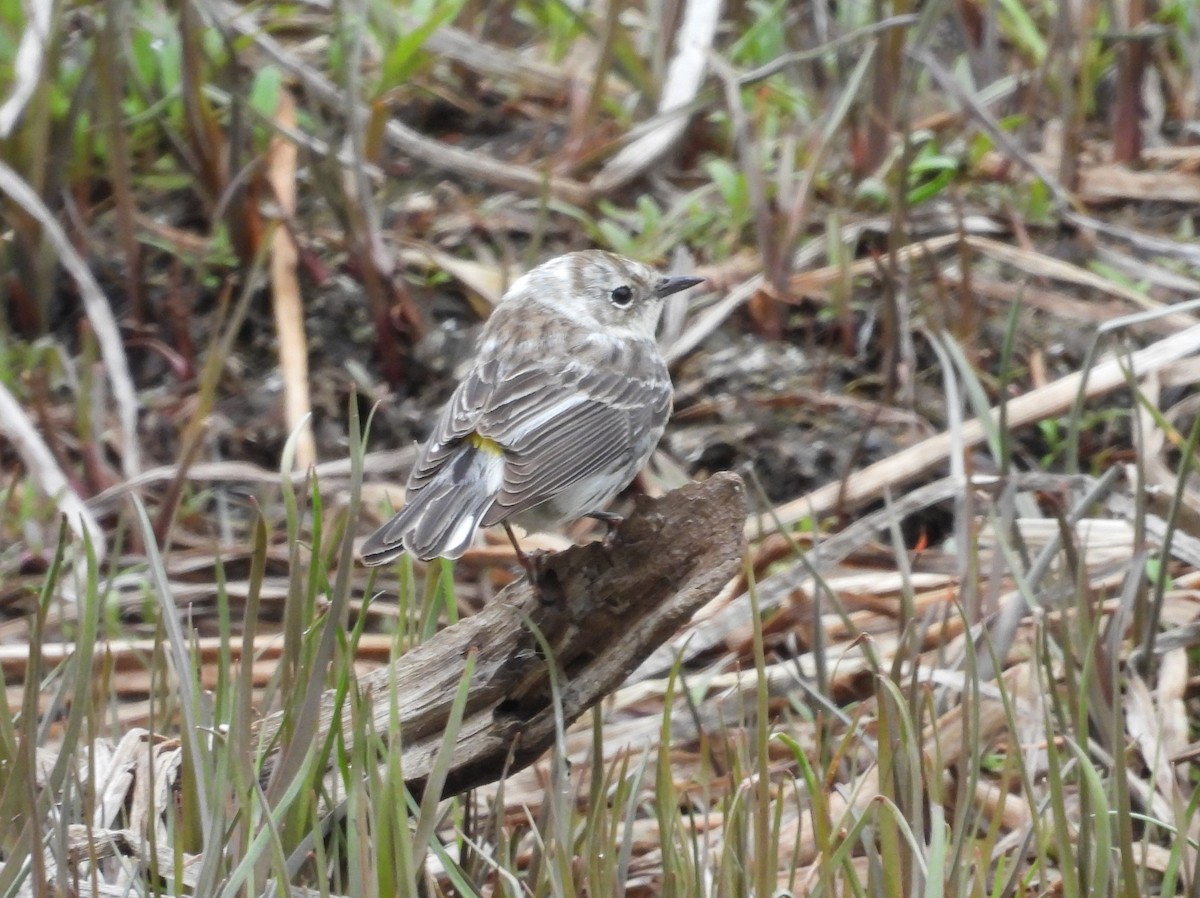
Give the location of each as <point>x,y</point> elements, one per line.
<point>667,286</point>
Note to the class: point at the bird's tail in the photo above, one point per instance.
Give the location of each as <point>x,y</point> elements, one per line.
<point>440,518</point>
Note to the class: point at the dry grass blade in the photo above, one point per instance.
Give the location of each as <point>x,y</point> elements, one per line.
<point>1184,250</point>
<point>391,462</point>
<point>1108,183</point>
<point>432,152</point>
<point>1046,266</point>
<point>285,289</point>
<point>1163,442</point>
<point>534,77</point>
<point>685,77</point>
<point>27,65</point>
<point>99,314</point>
<point>489,281</point>
<point>712,318</point>
<point>40,462</point>
<point>1052,399</point>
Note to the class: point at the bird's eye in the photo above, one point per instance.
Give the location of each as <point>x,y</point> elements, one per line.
<point>621,296</point>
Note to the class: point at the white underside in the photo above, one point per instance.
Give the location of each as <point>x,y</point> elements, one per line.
<point>575,501</point>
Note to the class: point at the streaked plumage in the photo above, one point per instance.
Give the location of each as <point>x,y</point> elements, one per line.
<point>567,398</point>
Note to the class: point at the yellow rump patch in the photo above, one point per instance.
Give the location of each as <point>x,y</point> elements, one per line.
<point>482,442</point>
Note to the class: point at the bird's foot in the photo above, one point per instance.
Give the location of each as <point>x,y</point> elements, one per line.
<point>542,581</point>
<point>611,523</point>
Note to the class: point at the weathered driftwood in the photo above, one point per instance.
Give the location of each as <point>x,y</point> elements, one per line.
<point>603,610</point>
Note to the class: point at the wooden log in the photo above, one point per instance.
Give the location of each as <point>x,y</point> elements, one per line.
<point>602,610</point>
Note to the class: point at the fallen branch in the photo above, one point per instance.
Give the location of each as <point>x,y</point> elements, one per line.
<point>603,611</point>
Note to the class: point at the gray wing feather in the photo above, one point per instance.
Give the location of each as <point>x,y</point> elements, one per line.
<point>459,419</point>
<point>441,518</point>
<point>554,440</point>
<point>557,421</point>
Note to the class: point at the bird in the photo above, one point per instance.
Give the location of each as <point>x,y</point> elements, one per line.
<point>566,399</point>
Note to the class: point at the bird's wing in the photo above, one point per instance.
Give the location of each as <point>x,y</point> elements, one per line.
<point>452,484</point>
<point>469,404</point>
<point>556,417</point>
<point>458,420</point>
<point>560,420</point>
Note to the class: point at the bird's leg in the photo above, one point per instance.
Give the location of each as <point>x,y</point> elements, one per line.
<point>522,558</point>
<point>532,562</point>
<point>611,522</point>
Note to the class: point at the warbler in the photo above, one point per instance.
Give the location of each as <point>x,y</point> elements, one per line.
<point>566,399</point>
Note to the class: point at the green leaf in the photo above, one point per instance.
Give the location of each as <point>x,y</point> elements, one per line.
<point>265,90</point>
<point>406,57</point>
<point>1024,29</point>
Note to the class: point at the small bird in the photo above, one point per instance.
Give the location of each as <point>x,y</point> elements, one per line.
<point>566,400</point>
